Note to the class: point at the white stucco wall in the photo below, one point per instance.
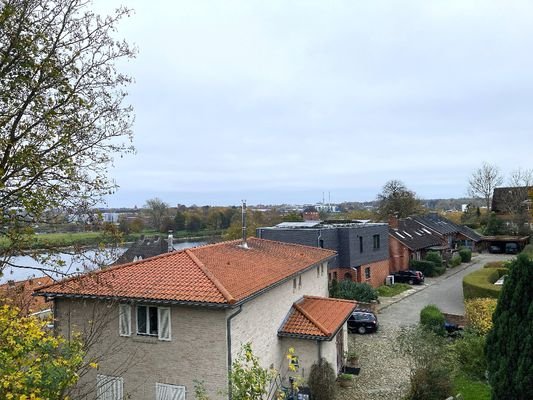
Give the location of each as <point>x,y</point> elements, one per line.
<point>261,318</point>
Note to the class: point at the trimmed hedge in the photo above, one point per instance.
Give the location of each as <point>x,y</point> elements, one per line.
<point>431,318</point>
<point>427,267</point>
<point>466,254</point>
<point>480,283</point>
<point>496,264</point>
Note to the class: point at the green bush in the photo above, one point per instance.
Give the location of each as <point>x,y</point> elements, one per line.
<point>426,267</point>
<point>528,251</point>
<point>470,354</point>
<point>480,283</point>
<point>439,271</point>
<point>466,254</point>
<point>434,257</point>
<point>321,381</point>
<point>432,319</point>
<point>456,260</point>
<point>431,383</point>
<point>349,290</point>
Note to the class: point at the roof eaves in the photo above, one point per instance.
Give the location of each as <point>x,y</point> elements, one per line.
<point>53,295</point>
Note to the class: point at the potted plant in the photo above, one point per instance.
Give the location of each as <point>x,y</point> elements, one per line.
<point>345,380</point>
<point>352,358</point>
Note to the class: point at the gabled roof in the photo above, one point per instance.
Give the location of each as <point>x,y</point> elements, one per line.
<point>470,233</point>
<point>414,235</point>
<point>317,318</point>
<point>437,223</point>
<point>218,274</point>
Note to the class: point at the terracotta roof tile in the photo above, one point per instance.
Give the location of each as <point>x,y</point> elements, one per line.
<point>317,317</point>
<point>221,273</point>
<point>19,294</point>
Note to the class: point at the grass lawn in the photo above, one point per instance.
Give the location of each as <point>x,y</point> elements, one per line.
<point>471,389</point>
<point>392,290</point>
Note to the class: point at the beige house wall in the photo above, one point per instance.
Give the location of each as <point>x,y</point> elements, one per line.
<point>261,318</point>
<point>197,349</point>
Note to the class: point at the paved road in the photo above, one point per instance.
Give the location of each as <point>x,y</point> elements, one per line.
<point>445,291</point>
<point>384,372</point>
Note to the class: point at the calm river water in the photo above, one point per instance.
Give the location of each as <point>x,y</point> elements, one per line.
<point>73,264</point>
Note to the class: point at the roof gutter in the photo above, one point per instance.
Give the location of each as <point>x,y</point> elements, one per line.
<point>228,338</point>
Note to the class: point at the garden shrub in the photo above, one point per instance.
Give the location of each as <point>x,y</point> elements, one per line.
<point>528,251</point>
<point>430,383</point>
<point>349,290</point>
<point>321,381</point>
<point>478,313</point>
<point>455,261</point>
<point>431,318</point>
<point>426,267</point>
<point>465,254</point>
<point>480,283</point>
<point>439,271</point>
<point>469,351</point>
<point>434,257</point>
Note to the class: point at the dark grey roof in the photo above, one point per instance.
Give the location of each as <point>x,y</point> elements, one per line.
<point>437,223</point>
<point>414,235</point>
<point>470,233</point>
<point>144,248</point>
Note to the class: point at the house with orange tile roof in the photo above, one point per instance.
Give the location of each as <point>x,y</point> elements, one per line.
<point>183,316</point>
<point>19,294</point>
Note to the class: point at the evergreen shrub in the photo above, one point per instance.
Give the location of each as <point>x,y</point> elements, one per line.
<point>455,261</point>
<point>466,254</point>
<point>349,290</point>
<point>426,267</point>
<point>431,318</point>
<point>321,381</point>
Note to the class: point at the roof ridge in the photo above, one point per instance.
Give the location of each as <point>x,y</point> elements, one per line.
<point>310,318</point>
<point>329,299</point>
<point>223,291</point>
<point>295,245</point>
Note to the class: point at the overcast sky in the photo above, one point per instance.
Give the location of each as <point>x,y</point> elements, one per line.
<point>280,101</point>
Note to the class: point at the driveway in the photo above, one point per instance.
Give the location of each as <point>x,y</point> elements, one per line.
<point>384,373</point>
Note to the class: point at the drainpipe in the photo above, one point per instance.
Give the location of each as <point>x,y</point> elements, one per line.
<point>228,337</point>
<point>318,238</point>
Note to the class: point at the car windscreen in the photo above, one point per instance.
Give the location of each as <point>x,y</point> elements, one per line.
<point>363,317</point>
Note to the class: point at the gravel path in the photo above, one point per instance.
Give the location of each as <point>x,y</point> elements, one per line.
<point>384,373</point>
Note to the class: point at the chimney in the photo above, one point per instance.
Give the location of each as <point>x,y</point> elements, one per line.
<point>11,283</point>
<point>170,241</point>
<point>244,244</point>
<point>394,221</point>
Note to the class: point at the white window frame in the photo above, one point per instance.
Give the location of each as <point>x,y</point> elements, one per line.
<point>109,387</point>
<point>160,312</point>
<point>124,319</point>
<point>160,334</point>
<point>161,388</point>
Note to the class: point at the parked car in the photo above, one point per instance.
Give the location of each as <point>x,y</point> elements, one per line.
<point>511,248</point>
<point>362,321</point>
<point>495,249</point>
<point>409,276</point>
